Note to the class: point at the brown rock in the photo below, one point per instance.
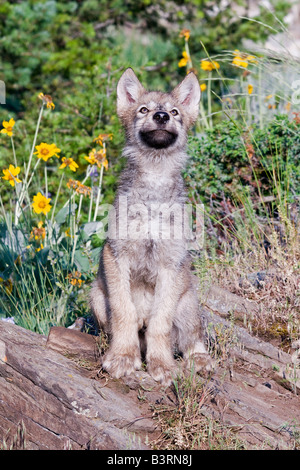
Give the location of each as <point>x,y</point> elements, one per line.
<point>223,302</point>
<point>59,407</point>
<point>74,344</point>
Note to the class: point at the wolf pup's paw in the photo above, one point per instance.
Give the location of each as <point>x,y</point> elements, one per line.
<point>200,362</point>
<point>162,372</point>
<point>119,365</point>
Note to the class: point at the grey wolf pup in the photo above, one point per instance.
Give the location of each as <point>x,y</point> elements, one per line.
<point>145,294</point>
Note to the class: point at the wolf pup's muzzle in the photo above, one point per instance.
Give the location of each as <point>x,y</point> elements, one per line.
<point>159,138</point>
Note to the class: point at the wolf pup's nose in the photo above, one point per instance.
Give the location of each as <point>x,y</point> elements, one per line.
<point>161,117</point>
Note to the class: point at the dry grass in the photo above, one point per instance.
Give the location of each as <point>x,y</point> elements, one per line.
<point>16,441</point>
<point>263,265</point>
<point>187,425</point>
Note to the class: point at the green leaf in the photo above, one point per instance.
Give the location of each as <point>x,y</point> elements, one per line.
<point>62,215</point>
<point>82,262</point>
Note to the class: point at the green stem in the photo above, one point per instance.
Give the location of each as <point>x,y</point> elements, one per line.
<point>248,109</point>
<point>187,50</point>
<point>56,198</point>
<point>8,225</point>
<point>34,142</point>
<point>98,194</point>
<point>76,229</point>
<point>209,100</point>
<point>24,193</point>
<point>260,99</point>
<point>33,172</point>
<point>46,183</point>
<point>14,151</point>
<point>79,209</point>
<point>203,115</point>
<point>91,205</point>
<point>25,185</point>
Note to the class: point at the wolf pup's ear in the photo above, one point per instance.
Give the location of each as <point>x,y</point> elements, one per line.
<point>188,95</point>
<point>129,89</point>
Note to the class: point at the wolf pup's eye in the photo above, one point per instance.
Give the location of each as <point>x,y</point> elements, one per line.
<point>174,112</point>
<point>144,110</point>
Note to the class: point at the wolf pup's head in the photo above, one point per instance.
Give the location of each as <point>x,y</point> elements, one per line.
<point>156,120</point>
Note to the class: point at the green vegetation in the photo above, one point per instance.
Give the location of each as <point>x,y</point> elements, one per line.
<point>229,158</point>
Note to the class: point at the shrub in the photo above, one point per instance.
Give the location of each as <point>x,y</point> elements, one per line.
<point>227,158</point>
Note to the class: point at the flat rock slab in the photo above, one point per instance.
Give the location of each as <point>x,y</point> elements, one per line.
<point>74,344</point>
<point>59,406</point>
<point>223,302</point>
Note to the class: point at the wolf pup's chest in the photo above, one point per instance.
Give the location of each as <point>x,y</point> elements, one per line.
<point>147,256</point>
<point>152,187</point>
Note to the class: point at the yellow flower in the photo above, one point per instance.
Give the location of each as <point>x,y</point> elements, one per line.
<point>185,59</point>
<point>46,151</point>
<point>103,138</point>
<point>70,163</point>
<point>74,278</point>
<point>91,158</point>
<point>209,65</point>
<point>105,164</point>
<point>8,127</point>
<point>41,204</point>
<point>203,86</point>
<point>185,33</point>
<point>79,187</point>
<point>242,60</point>
<point>38,233</point>
<point>251,58</point>
<point>98,157</point>
<point>250,89</point>
<point>239,62</point>
<point>47,100</point>
<point>40,247</point>
<point>11,173</point>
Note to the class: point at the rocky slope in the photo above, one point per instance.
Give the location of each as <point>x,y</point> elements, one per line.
<point>53,394</point>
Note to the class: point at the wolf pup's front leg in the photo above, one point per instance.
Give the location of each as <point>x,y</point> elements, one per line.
<point>160,353</point>
<point>123,356</point>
